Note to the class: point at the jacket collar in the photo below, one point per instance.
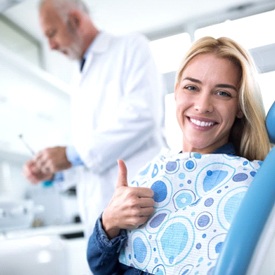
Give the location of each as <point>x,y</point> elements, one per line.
<point>227,148</point>
<point>100,44</point>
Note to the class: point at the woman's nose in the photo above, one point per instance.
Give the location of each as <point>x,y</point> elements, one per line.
<point>204,103</point>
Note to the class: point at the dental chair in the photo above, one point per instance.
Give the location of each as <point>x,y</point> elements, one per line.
<point>252,232</point>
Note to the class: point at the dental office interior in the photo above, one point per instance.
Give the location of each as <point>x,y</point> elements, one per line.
<point>40,229</point>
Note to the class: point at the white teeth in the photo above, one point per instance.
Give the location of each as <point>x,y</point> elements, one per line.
<point>201,123</point>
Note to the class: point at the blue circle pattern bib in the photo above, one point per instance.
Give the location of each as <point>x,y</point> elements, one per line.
<point>196,197</point>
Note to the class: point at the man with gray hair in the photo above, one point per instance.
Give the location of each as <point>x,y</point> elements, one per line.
<point>117,107</point>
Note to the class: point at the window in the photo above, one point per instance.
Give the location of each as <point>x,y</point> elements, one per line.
<point>169,51</point>
<point>19,42</point>
<point>249,31</point>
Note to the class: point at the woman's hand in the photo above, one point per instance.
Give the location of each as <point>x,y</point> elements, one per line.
<point>129,207</point>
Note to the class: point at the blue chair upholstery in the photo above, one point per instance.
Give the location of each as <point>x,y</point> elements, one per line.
<point>252,216</point>
<point>270,123</point>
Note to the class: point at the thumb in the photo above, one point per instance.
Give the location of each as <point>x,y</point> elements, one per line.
<point>122,174</point>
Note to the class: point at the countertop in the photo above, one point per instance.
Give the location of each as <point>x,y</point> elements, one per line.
<point>63,230</point>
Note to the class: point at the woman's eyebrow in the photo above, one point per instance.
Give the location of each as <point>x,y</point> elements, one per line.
<point>228,86</point>
<point>192,79</point>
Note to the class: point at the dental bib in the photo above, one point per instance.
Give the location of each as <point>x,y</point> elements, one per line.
<point>196,197</point>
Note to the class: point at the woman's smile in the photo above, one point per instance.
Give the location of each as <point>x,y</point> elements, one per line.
<point>202,123</point>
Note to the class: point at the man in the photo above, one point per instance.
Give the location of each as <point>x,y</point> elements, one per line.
<point>117,107</point>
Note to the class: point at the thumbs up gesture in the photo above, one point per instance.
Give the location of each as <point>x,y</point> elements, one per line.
<point>129,207</point>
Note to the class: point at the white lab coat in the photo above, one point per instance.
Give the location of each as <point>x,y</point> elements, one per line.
<point>117,113</point>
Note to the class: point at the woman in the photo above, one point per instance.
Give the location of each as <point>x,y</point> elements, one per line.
<point>178,217</point>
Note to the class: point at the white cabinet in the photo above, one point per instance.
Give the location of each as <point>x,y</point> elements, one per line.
<point>33,255</point>
<point>44,251</point>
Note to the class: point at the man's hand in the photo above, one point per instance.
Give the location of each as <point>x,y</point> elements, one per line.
<point>51,160</point>
<point>129,207</point>
<point>45,164</point>
<point>33,174</point>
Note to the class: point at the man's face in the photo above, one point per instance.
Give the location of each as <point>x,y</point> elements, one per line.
<point>62,36</point>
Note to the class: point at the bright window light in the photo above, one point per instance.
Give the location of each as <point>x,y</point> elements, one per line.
<point>249,31</point>
<point>266,81</point>
<point>169,51</point>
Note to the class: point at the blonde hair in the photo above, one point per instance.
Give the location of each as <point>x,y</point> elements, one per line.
<point>248,133</point>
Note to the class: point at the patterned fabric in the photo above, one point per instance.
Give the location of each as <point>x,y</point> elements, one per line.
<point>196,197</point>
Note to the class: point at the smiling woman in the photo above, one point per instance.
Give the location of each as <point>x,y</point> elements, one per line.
<point>180,227</point>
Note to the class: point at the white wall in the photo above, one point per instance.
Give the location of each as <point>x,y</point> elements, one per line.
<point>34,104</point>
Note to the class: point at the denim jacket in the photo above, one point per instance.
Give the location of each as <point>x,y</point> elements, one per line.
<point>102,253</point>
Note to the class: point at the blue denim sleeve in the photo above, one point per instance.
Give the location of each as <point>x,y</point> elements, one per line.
<point>102,253</point>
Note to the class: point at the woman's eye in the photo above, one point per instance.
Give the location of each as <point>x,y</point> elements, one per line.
<point>190,88</point>
<point>224,94</point>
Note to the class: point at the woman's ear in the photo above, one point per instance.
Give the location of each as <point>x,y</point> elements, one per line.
<point>239,114</point>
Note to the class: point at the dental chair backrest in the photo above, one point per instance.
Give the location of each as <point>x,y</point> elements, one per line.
<point>270,123</point>
<point>254,212</point>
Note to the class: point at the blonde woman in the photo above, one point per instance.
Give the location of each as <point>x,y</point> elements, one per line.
<point>174,217</point>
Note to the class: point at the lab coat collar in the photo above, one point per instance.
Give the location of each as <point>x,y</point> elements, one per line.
<point>100,44</point>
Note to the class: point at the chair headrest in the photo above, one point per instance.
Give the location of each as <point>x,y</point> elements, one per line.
<point>270,123</point>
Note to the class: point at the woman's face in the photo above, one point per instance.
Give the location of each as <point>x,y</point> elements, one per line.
<point>207,102</point>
